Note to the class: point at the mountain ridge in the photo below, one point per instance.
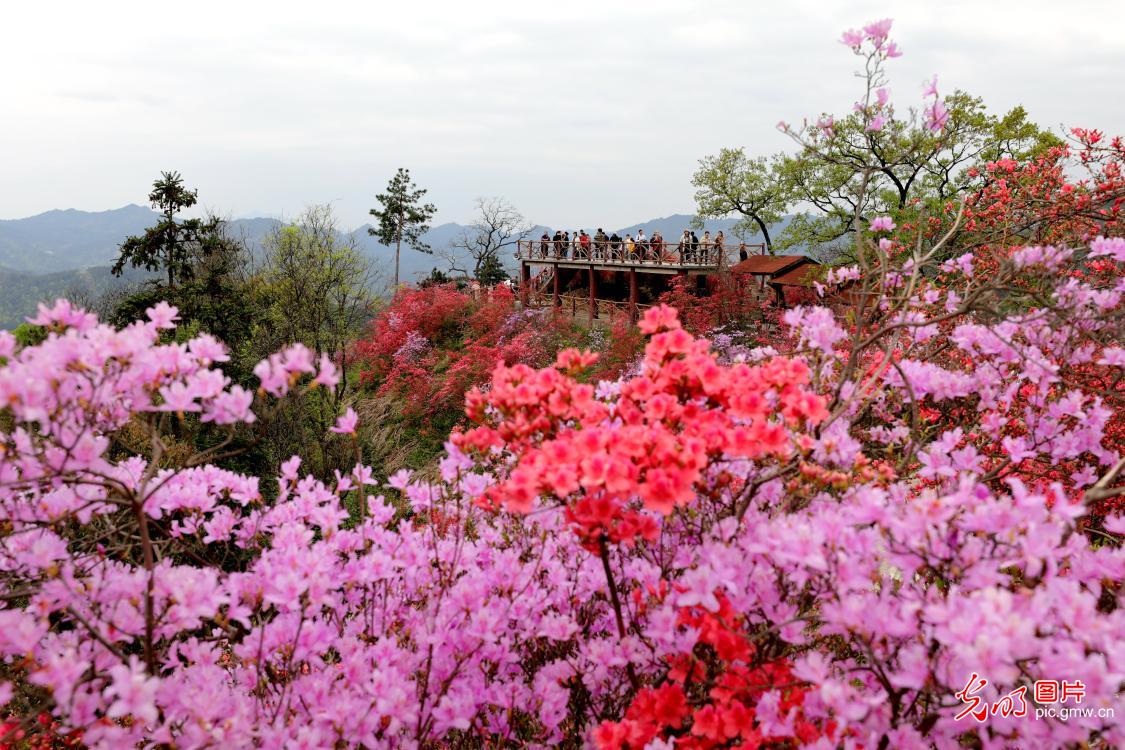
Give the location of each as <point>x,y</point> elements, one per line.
<point>68,250</point>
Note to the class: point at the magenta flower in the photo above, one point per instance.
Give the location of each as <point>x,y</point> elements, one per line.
<point>1112,247</point>
<point>930,88</point>
<point>877,31</point>
<point>163,315</point>
<point>328,376</point>
<point>347,422</point>
<point>134,693</point>
<point>877,123</point>
<point>936,116</point>
<point>852,38</point>
<point>882,224</point>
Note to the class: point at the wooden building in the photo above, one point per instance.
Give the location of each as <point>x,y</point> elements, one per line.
<point>602,278</point>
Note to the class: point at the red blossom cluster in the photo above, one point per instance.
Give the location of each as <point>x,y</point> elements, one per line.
<point>681,415</point>
<point>713,696</point>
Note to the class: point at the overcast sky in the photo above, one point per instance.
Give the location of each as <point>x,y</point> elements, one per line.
<point>581,113</point>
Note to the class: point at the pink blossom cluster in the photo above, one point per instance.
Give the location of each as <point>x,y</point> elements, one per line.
<point>812,547</point>
<point>466,621</point>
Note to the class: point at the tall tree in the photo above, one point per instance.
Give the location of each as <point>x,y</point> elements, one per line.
<point>403,217</point>
<point>313,287</point>
<point>170,245</point>
<point>733,183</point>
<point>902,168</point>
<point>498,225</point>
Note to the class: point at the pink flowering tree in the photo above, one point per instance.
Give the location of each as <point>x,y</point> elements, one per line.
<point>883,536</point>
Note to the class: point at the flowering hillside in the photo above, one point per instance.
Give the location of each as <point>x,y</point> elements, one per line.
<point>896,526</point>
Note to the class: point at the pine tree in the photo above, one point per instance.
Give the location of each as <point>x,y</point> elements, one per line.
<point>403,218</point>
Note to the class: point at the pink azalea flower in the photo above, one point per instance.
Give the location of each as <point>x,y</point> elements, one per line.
<point>1113,247</point>
<point>877,123</point>
<point>930,88</point>
<point>328,376</point>
<point>936,116</point>
<point>346,424</point>
<point>852,38</point>
<point>163,315</point>
<point>134,693</point>
<point>882,224</point>
<point>877,31</point>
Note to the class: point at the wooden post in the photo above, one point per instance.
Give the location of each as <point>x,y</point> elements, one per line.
<point>593,296</point>
<point>555,292</point>
<point>633,295</point>
<point>525,283</point>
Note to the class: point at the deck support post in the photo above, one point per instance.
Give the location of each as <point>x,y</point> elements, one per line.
<point>525,283</point>
<point>555,302</point>
<point>632,295</point>
<point>593,296</point>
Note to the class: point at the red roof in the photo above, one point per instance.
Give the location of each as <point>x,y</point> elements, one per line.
<point>770,265</point>
<point>800,276</point>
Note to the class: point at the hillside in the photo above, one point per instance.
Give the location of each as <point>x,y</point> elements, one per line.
<point>68,252</point>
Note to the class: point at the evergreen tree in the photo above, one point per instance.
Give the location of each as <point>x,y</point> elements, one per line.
<point>491,271</point>
<point>403,217</point>
<point>169,246</point>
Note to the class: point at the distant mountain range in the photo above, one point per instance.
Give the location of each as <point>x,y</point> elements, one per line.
<point>70,251</point>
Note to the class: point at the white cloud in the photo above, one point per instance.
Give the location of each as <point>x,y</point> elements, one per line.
<point>579,112</point>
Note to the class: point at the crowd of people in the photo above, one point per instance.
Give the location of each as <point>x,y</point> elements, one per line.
<point>690,249</point>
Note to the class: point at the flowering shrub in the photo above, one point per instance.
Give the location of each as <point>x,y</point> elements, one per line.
<point>725,301</point>
<point>874,533</point>
<point>432,345</point>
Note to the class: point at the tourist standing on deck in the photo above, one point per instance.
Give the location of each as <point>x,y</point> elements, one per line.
<point>684,248</point>
<point>557,240</point>
<point>720,239</point>
<point>630,247</point>
<point>584,244</point>
<point>705,247</point>
<point>614,247</point>
<point>565,248</point>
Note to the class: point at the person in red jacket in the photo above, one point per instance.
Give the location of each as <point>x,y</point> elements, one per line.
<point>584,243</point>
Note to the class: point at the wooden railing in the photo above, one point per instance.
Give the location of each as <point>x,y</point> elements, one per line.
<point>648,253</point>
<point>578,303</point>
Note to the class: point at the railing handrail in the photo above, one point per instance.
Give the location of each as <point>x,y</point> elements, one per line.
<point>709,254</point>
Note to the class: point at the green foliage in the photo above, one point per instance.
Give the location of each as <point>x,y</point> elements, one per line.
<point>29,335</point>
<point>173,245</point>
<point>403,217</point>
<point>314,288</point>
<point>212,298</point>
<point>828,183</point>
<point>437,277</point>
<point>918,170</point>
<point>733,183</point>
<point>491,271</point>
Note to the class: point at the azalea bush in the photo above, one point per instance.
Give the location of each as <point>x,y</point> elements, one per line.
<point>878,527</point>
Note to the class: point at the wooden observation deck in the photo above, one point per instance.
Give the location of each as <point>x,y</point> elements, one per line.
<point>563,264</point>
